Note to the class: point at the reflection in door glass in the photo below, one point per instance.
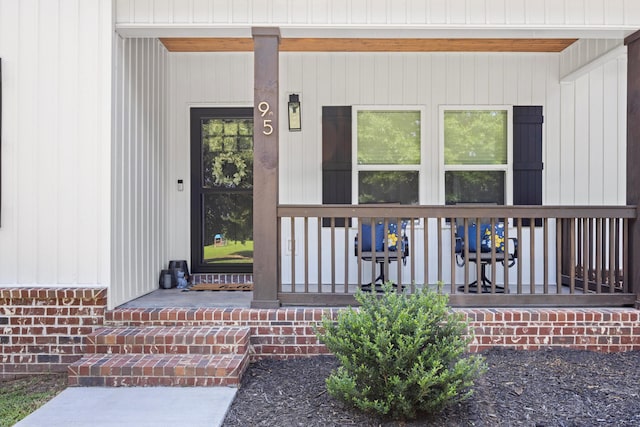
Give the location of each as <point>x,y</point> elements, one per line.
<point>228,228</point>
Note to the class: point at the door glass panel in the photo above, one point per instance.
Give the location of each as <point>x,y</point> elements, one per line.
<point>227,153</point>
<point>228,228</point>
<point>224,191</point>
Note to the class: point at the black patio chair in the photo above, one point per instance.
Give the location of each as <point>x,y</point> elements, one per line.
<point>506,253</point>
<point>377,246</point>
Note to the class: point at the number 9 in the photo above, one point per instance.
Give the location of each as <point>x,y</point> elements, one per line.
<point>263,107</point>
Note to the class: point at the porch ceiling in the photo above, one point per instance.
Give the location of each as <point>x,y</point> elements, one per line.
<point>239,44</point>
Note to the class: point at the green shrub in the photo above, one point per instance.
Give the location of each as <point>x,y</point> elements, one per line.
<point>400,354</point>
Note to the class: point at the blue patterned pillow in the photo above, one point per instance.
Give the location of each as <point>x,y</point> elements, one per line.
<point>489,239</point>
<point>378,236</point>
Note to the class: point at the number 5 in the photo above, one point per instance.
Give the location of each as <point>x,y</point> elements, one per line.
<point>268,129</point>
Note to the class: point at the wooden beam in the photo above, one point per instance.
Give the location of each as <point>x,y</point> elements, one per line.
<point>265,168</point>
<point>633,156</point>
<point>370,45</point>
<point>208,44</point>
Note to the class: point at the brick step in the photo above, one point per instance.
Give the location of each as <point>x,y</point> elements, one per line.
<point>143,370</point>
<point>169,340</point>
<point>182,316</point>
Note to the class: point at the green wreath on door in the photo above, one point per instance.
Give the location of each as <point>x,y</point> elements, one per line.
<point>229,158</point>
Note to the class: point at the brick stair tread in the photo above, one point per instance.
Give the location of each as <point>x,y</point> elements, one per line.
<point>169,339</point>
<point>158,370</point>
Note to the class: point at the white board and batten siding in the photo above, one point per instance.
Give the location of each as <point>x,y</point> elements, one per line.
<point>593,125</point>
<point>492,13</point>
<point>56,142</point>
<point>141,210</point>
<point>438,79</point>
<point>198,80</point>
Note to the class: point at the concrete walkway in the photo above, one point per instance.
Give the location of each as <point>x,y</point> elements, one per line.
<point>134,406</point>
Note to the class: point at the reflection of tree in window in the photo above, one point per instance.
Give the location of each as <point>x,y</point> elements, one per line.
<point>388,187</point>
<point>474,187</point>
<point>388,137</point>
<point>475,138</point>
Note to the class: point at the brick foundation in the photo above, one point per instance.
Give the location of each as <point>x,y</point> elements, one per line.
<point>44,329</point>
<point>289,332</point>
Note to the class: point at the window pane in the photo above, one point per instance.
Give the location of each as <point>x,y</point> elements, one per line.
<point>388,187</point>
<point>227,153</point>
<point>228,228</point>
<point>474,187</point>
<point>388,137</point>
<point>475,137</point>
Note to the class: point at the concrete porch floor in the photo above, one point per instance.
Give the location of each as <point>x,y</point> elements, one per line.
<point>179,298</point>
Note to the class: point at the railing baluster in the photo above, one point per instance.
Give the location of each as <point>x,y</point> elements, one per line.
<point>466,257</point>
<point>412,240</point>
<point>359,257</point>
<point>625,255</point>
<point>612,258</point>
<point>293,254</point>
<point>398,254</point>
<point>559,247</point>
<point>279,240</point>
<point>306,254</point>
<point>439,228</point>
<point>572,255</point>
<point>346,255</point>
<point>333,255</point>
<point>617,272</point>
<point>478,257</point>
<point>519,234</point>
<point>586,255</point>
<point>425,246</point>
<point>532,256</point>
<point>320,254</point>
<point>545,258</point>
<point>374,255</point>
<point>493,255</point>
<point>452,254</point>
<point>505,264</point>
<point>598,255</point>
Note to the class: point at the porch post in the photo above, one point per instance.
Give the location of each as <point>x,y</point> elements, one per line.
<point>265,167</point>
<point>633,156</point>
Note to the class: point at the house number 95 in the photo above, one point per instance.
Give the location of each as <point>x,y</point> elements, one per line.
<point>264,108</point>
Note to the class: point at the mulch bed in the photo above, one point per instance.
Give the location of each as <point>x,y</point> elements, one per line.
<point>559,387</point>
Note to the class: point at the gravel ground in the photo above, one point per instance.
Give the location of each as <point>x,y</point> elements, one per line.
<point>558,387</point>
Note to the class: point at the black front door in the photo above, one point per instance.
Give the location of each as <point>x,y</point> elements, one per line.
<point>222,190</point>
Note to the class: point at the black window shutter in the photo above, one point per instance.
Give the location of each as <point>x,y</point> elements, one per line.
<point>527,156</point>
<point>336,157</point>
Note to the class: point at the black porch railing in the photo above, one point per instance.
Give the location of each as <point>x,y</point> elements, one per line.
<point>551,256</point>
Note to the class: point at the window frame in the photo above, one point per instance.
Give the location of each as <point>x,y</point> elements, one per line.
<point>420,168</point>
<point>506,168</point>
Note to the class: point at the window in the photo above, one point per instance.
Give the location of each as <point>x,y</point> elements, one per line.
<point>477,159</point>
<point>388,155</point>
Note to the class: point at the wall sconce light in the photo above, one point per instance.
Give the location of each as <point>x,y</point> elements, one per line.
<point>295,121</point>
